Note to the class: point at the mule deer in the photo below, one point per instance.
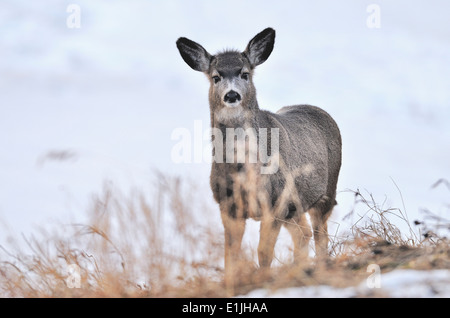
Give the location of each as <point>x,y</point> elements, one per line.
<point>308,152</point>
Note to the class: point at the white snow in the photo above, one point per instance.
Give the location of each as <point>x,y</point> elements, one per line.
<point>400,283</point>
<point>112,92</point>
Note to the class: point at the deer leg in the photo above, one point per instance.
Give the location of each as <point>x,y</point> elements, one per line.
<point>320,230</point>
<point>300,231</point>
<point>267,238</point>
<point>234,231</point>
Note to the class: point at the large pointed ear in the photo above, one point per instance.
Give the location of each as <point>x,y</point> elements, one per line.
<point>194,54</point>
<point>260,47</point>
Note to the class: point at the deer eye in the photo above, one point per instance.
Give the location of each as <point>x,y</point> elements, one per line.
<point>244,76</point>
<point>216,79</point>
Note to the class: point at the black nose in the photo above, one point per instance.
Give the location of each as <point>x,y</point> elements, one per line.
<point>232,97</point>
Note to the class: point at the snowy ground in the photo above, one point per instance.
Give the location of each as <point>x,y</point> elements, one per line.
<point>79,107</point>
<point>398,283</point>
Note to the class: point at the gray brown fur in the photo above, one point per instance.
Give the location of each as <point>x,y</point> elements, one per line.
<point>309,152</point>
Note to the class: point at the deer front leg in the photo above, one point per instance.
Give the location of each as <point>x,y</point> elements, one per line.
<point>234,231</point>
<point>269,230</point>
<point>320,230</point>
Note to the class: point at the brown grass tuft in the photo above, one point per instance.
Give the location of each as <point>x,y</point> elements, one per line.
<point>169,244</point>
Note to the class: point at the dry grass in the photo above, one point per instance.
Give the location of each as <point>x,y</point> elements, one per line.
<point>170,244</point>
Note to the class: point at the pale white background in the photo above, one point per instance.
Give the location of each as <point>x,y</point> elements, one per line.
<point>107,96</point>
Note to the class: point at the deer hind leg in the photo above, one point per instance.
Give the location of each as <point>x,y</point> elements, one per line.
<point>300,231</point>
<point>234,231</point>
<point>269,230</point>
<point>319,219</point>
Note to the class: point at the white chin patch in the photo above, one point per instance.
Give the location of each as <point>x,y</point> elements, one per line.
<point>229,113</point>
<point>232,105</point>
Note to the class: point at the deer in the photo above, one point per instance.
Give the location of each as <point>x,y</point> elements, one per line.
<point>305,147</point>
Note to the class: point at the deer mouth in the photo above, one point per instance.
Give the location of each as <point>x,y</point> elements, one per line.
<point>232,105</point>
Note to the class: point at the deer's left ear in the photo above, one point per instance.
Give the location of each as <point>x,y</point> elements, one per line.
<point>259,48</point>
<point>194,54</point>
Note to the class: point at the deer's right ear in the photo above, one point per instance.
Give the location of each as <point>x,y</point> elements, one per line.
<point>194,54</point>
<point>260,47</point>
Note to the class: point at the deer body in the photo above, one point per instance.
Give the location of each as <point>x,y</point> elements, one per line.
<point>302,142</point>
